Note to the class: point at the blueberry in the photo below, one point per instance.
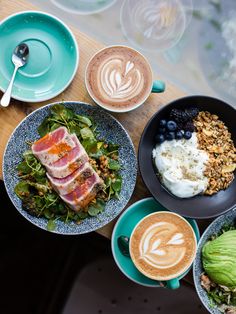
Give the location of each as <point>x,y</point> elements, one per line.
<point>179,135</point>
<point>162,123</point>
<point>187,135</point>
<point>161,130</point>
<point>170,136</point>
<point>159,138</point>
<point>171,125</point>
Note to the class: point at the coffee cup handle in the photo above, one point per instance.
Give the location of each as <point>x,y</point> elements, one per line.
<point>158,86</point>
<point>173,284</point>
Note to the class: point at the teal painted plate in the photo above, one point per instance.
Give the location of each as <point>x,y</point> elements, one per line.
<point>125,225</point>
<point>53,58</point>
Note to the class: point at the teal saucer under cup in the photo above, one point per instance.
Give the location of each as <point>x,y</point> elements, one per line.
<point>124,226</point>
<point>53,55</point>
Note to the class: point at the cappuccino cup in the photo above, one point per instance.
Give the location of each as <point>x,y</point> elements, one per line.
<point>162,247</point>
<point>120,79</point>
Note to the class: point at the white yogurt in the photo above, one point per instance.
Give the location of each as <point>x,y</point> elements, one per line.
<point>181,166</point>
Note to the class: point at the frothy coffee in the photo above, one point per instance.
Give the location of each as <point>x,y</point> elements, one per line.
<point>163,246</point>
<point>118,78</point>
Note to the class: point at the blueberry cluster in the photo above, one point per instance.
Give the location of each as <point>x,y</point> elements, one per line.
<point>179,125</point>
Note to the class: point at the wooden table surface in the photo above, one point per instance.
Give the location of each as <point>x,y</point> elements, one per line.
<point>134,121</point>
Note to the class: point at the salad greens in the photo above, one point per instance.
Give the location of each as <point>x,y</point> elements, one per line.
<point>219,263</point>
<point>219,259</point>
<point>34,189</point>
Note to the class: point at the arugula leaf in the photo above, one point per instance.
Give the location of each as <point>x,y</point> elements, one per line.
<point>112,147</point>
<point>48,214</point>
<point>108,182</point>
<point>43,188</point>
<point>113,164</point>
<point>74,128</point>
<point>62,113</point>
<point>83,119</point>
<point>93,210</point>
<point>96,208</point>
<point>82,215</point>
<point>39,201</point>
<point>61,207</point>
<point>23,168</point>
<point>55,126</point>
<point>51,225</point>
<point>90,145</point>
<point>86,133</point>
<point>57,109</point>
<point>29,156</point>
<point>40,177</point>
<point>51,199</point>
<point>44,128</point>
<point>117,184</point>
<point>22,189</point>
<point>111,192</point>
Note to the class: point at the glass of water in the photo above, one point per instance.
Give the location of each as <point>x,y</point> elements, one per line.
<point>83,6</point>
<point>155,24</point>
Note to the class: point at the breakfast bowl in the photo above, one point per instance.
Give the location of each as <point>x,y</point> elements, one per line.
<point>201,205</point>
<point>214,299</point>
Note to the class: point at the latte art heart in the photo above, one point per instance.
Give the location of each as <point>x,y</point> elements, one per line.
<point>162,246</point>
<point>119,80</point>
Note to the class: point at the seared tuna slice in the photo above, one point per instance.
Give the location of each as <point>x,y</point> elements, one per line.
<point>69,162</point>
<point>53,146</point>
<point>84,193</point>
<point>66,185</point>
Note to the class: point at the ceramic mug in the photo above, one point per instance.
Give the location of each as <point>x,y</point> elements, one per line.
<point>125,226</point>
<point>118,78</point>
<point>173,283</point>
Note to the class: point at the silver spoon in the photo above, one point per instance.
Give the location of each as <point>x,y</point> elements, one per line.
<point>19,59</point>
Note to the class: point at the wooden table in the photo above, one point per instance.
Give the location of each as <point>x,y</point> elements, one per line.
<point>134,121</point>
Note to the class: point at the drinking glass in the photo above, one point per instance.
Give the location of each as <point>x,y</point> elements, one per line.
<point>155,24</point>
<point>83,6</point>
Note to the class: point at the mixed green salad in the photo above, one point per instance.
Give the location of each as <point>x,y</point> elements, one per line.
<point>34,189</point>
<point>219,263</point>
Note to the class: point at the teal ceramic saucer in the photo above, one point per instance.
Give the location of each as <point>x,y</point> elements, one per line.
<point>125,225</point>
<point>53,55</point>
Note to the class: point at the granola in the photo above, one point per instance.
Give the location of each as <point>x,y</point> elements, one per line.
<point>215,138</point>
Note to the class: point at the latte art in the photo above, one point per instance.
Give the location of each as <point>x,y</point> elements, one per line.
<point>163,245</point>
<point>119,78</point>
<point>120,81</point>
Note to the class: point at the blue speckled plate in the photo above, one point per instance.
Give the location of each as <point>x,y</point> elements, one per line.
<point>213,228</point>
<point>109,129</point>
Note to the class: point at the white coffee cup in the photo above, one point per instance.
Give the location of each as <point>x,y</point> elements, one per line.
<point>120,79</point>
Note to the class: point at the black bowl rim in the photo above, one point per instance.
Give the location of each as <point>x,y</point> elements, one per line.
<point>141,141</point>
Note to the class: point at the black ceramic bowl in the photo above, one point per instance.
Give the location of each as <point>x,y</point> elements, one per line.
<point>200,206</point>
